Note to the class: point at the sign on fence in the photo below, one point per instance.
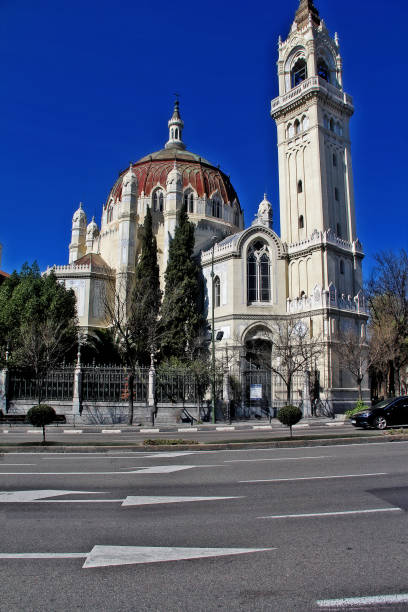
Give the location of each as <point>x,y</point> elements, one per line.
<point>256,392</point>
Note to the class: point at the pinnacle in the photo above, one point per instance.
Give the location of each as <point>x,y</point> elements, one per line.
<point>306,11</point>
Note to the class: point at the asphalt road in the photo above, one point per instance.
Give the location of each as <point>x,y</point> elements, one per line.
<point>286,529</point>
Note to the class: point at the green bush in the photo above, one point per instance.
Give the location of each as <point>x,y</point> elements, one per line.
<point>289,416</point>
<point>359,407</point>
<point>40,416</point>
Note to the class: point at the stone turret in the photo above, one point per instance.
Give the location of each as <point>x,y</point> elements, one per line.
<point>77,248</point>
<point>92,235</point>
<point>174,199</point>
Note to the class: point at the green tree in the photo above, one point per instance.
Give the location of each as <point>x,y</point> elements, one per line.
<point>181,310</point>
<point>146,296</point>
<point>37,321</point>
<point>40,416</point>
<point>289,416</point>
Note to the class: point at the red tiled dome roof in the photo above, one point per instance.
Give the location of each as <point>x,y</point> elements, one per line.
<point>196,171</point>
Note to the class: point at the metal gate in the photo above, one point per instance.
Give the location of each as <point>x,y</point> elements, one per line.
<point>256,395</point>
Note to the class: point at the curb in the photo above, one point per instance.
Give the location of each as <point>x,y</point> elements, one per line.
<point>203,447</point>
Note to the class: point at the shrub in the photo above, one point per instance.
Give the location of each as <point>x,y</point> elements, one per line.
<point>359,407</point>
<point>289,416</point>
<point>40,416</point>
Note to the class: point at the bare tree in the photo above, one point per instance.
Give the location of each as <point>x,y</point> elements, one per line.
<point>42,345</point>
<point>293,350</point>
<point>388,300</point>
<point>355,353</point>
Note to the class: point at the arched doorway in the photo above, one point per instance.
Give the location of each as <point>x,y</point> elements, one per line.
<point>256,374</point>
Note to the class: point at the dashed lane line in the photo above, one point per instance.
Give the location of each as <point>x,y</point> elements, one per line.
<point>353,602</point>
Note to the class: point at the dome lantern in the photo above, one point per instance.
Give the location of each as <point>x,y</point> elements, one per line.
<point>176,125</point>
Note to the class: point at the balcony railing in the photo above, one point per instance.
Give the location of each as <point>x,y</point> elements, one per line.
<point>314,83</point>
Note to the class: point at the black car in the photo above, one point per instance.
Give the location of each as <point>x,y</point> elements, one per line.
<point>387,413</point>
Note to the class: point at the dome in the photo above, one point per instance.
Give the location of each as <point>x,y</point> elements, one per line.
<point>196,172</point>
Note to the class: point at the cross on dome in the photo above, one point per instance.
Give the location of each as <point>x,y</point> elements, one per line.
<point>176,125</point>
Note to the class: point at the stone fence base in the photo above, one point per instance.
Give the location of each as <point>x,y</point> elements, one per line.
<point>108,413</point>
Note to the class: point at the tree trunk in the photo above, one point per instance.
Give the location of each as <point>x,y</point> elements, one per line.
<point>360,393</point>
<point>290,427</point>
<point>288,389</point>
<point>131,379</point>
<point>43,428</point>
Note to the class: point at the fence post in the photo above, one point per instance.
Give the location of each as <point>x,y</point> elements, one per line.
<point>152,388</point>
<point>4,381</point>
<point>77,398</point>
<point>226,395</point>
<point>307,411</point>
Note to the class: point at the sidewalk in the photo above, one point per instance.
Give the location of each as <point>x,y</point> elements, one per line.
<point>250,425</point>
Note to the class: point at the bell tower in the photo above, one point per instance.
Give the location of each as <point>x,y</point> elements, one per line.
<point>312,115</point>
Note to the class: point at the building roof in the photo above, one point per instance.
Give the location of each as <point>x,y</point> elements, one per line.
<point>91,259</point>
<point>3,276</point>
<point>305,11</point>
<point>152,171</point>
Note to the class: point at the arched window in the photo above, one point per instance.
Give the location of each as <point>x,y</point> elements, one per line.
<point>158,201</point>
<point>323,71</point>
<point>334,160</point>
<point>300,187</point>
<point>109,214</point>
<point>299,72</point>
<point>297,126</point>
<point>305,123</point>
<point>216,209</point>
<point>336,194</point>
<point>301,222</point>
<point>341,266</point>
<point>189,201</point>
<point>339,230</point>
<point>331,125</point>
<point>258,272</point>
<point>236,218</point>
<point>217,292</point>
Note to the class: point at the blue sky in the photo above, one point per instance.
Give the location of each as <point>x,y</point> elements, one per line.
<point>88,86</point>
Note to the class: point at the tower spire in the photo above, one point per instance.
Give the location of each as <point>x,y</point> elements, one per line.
<point>306,11</point>
<point>176,125</point>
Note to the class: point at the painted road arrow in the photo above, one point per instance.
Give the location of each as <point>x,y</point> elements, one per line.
<point>33,496</point>
<point>106,556</point>
<point>40,496</point>
<point>140,500</point>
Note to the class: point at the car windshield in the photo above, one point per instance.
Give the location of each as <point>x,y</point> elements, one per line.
<point>383,404</point>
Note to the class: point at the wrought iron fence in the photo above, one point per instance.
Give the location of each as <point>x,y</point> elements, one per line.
<point>176,388</point>
<point>111,384</point>
<point>57,385</point>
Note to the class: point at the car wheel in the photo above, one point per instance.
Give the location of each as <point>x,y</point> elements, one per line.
<point>380,422</point>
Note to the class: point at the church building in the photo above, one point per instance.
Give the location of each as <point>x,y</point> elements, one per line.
<point>253,278</point>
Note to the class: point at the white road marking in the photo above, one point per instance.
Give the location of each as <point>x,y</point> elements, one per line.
<point>149,431</point>
<point>315,477</point>
<point>158,469</point>
<point>72,431</point>
<point>352,602</point>
<point>322,514</point>
<point>1,464</point>
<point>111,431</point>
<point>276,459</point>
<point>224,428</point>
<point>170,454</point>
<point>260,427</point>
<point>163,469</point>
<point>301,425</point>
<point>32,496</point>
<point>43,555</point>
<point>187,429</point>
<point>105,556</point>
<point>33,431</point>
<point>141,500</point>
<point>5,431</point>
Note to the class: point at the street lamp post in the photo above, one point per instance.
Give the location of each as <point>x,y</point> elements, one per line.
<point>212,333</point>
